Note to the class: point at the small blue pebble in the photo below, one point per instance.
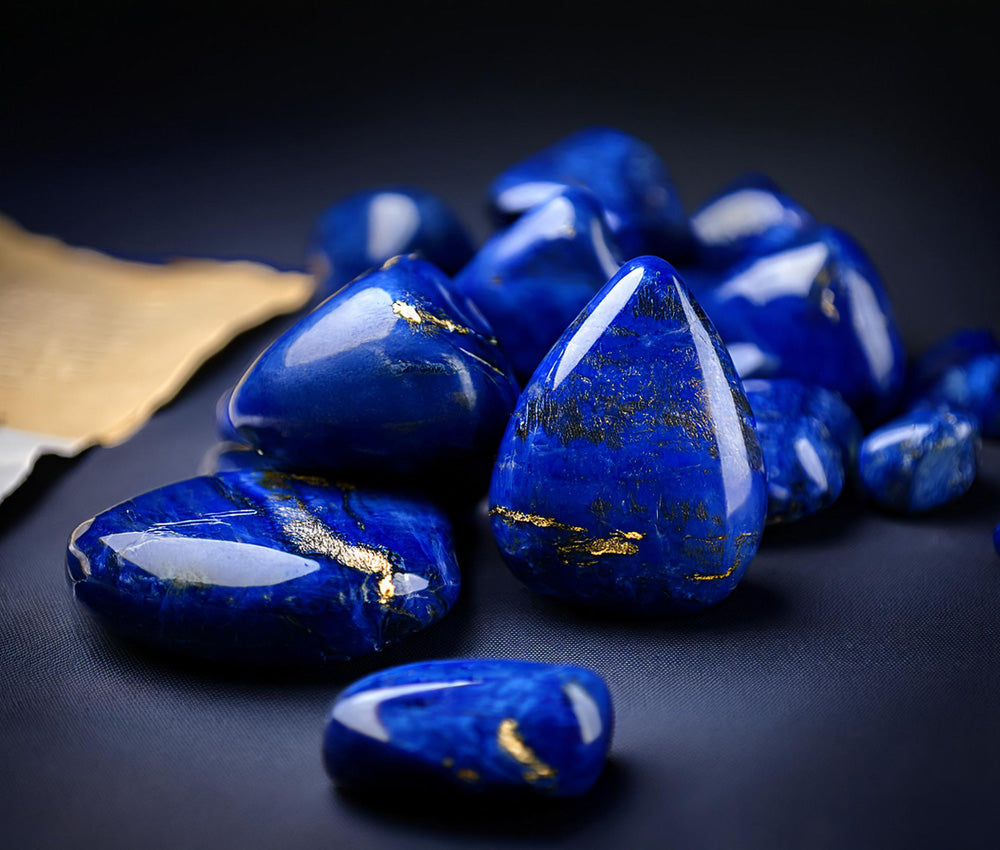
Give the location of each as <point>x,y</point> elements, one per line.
<point>629,179</point>
<point>748,218</point>
<point>266,567</point>
<point>532,279</point>
<point>362,231</point>
<point>471,725</point>
<point>919,461</point>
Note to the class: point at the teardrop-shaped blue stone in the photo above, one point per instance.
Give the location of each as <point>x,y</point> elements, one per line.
<point>479,725</point>
<point>630,475</point>
<point>262,566</point>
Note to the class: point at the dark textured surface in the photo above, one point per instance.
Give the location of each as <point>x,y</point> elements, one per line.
<point>846,695</point>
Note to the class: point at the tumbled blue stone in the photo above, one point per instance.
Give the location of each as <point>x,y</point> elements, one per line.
<point>630,475</point>
<point>920,460</point>
<point>362,231</point>
<point>478,725</point>
<point>816,311</point>
<point>264,567</point>
<point>223,424</point>
<point>961,372</point>
<point>629,179</point>
<point>532,279</point>
<point>749,217</point>
<point>805,463</point>
<point>393,375</point>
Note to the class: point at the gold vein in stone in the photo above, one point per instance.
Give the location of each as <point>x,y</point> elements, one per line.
<point>511,741</point>
<point>418,316</point>
<point>616,543</point>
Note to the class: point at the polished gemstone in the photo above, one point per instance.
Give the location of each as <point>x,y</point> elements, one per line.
<point>808,435</point>
<point>816,311</point>
<point>532,279</point>
<point>962,372</point>
<point>263,567</point>
<point>626,175</point>
<point>394,375</point>
<point>362,231</point>
<point>223,424</point>
<point>477,725</point>
<point>749,217</point>
<point>630,475</point>
<point>919,461</point>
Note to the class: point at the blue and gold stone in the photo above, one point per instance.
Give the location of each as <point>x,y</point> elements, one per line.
<point>961,372</point>
<point>395,375</point>
<point>481,726</point>
<point>533,278</point>
<point>630,476</point>
<point>749,217</point>
<point>629,179</point>
<point>362,231</point>
<point>265,567</point>
<point>808,435</point>
<point>816,311</point>
<point>919,461</point>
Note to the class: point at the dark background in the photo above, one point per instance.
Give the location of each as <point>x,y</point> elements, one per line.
<point>847,695</point>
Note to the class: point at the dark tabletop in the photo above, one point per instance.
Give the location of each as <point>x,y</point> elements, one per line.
<point>846,695</point>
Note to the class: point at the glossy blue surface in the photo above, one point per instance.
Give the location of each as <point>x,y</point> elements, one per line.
<point>961,372</point>
<point>628,178</point>
<point>630,475</point>
<point>362,231</point>
<point>749,217</point>
<point>532,279</point>
<point>223,424</point>
<point>996,539</point>
<point>394,375</point>
<point>808,435</point>
<point>816,311</point>
<point>263,567</point>
<point>920,460</point>
<point>475,725</point>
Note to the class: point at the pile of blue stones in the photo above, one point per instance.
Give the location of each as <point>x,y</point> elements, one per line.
<point>639,392</point>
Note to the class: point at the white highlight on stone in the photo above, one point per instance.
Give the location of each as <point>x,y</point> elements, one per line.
<point>588,715</point>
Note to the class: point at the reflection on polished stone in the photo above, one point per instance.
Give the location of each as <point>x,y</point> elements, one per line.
<point>809,436</point>
<point>394,375</point>
<point>362,231</point>
<point>962,372</point>
<point>816,311</point>
<point>474,725</point>
<point>532,279</point>
<point>630,475</point>
<point>262,566</point>
<point>629,179</point>
<point>748,218</point>
<point>921,460</point>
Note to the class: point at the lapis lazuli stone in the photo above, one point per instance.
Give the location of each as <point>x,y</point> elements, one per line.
<point>394,375</point>
<point>532,279</point>
<point>629,179</point>
<point>478,725</point>
<point>749,217</point>
<point>264,567</point>
<point>223,424</point>
<point>804,461</point>
<point>630,475</point>
<point>816,311</point>
<point>962,372</point>
<point>920,460</point>
<point>362,231</point>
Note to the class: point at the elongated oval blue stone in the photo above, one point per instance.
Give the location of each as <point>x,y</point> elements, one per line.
<point>394,375</point>
<point>630,475</point>
<point>263,567</point>
<point>961,372</point>
<point>360,232</point>
<point>532,279</point>
<point>477,725</point>
<point>629,179</point>
<point>749,217</point>
<point>919,461</point>
<point>804,461</point>
<point>816,311</point>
